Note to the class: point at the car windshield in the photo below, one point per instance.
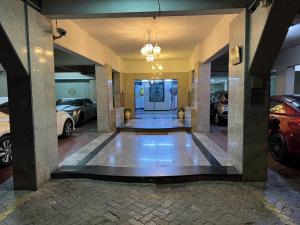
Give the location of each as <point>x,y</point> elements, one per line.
<point>296,103</point>
<point>73,102</point>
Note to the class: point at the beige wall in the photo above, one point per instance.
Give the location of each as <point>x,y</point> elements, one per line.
<point>170,66</point>
<point>217,40</point>
<point>80,42</point>
<point>184,86</point>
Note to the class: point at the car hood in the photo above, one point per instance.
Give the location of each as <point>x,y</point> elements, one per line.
<point>66,107</point>
<point>4,124</point>
<point>4,117</point>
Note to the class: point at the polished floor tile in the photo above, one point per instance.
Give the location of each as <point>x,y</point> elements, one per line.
<point>214,149</point>
<point>131,150</point>
<point>148,123</point>
<point>155,115</point>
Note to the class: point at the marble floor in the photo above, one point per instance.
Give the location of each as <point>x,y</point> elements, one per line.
<point>155,114</point>
<point>149,150</point>
<point>129,149</point>
<point>149,123</point>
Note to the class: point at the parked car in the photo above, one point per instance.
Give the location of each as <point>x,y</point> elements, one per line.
<point>81,109</point>
<point>284,125</point>
<point>65,127</point>
<point>219,107</point>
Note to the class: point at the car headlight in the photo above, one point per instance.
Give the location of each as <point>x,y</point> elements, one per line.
<point>75,113</point>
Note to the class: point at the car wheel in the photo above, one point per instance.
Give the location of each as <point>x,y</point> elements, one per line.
<point>68,128</point>
<point>5,150</point>
<point>278,147</point>
<point>217,119</point>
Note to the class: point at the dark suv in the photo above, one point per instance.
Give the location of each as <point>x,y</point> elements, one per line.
<point>219,107</point>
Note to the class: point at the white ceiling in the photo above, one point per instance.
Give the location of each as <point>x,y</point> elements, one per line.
<point>293,36</point>
<point>177,35</point>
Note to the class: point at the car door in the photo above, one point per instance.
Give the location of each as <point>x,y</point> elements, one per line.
<point>280,111</point>
<point>89,108</point>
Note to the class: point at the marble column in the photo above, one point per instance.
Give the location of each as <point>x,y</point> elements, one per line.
<point>285,81</point>
<point>31,92</point>
<point>236,93</point>
<point>249,83</point>
<point>104,97</point>
<point>201,117</point>
<point>117,89</point>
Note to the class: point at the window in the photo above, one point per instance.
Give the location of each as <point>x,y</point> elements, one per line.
<point>73,102</point>
<point>296,103</point>
<point>88,102</point>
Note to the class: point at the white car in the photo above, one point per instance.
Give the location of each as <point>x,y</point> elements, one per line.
<point>65,127</point>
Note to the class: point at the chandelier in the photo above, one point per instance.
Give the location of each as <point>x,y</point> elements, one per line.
<point>151,51</point>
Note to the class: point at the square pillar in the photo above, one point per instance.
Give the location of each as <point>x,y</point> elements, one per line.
<point>116,89</point>
<point>248,108</point>
<point>201,117</point>
<point>249,79</point>
<point>104,98</point>
<point>31,92</point>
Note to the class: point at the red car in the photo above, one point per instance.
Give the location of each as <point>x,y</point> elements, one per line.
<point>284,126</point>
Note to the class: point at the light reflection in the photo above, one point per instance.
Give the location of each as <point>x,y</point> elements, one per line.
<point>48,53</point>
<point>159,144</point>
<point>42,60</point>
<point>38,50</point>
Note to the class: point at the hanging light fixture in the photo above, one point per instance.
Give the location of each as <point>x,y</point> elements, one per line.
<point>156,48</point>
<point>150,58</point>
<point>149,48</point>
<point>150,51</point>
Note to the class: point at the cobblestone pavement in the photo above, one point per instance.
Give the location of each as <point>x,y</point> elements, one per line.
<point>87,202</point>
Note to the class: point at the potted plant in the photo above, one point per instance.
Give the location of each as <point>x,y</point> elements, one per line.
<point>127,113</point>
<point>181,113</point>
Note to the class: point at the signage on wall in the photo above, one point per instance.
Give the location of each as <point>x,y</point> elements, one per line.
<point>72,91</point>
<point>235,55</point>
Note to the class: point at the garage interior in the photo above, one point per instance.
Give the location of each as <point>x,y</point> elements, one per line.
<point>102,64</point>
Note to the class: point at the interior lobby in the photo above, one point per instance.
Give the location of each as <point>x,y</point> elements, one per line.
<point>153,92</point>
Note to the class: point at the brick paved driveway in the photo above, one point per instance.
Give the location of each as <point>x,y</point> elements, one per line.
<point>86,202</point>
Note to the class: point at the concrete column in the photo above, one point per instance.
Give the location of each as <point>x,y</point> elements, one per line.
<point>117,89</point>
<point>104,96</point>
<point>29,63</point>
<point>249,83</point>
<point>236,94</point>
<point>201,121</point>
<point>285,81</point>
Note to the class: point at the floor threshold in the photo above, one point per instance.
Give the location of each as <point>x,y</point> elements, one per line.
<point>149,175</point>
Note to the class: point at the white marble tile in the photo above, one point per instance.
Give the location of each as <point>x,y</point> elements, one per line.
<point>155,123</point>
<point>131,150</point>
<point>76,157</point>
<point>222,157</point>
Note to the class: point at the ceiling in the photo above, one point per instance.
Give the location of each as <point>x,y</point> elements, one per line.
<point>177,35</point>
<point>293,36</point>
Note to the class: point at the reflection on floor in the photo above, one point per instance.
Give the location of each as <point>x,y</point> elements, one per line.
<point>218,134</point>
<point>149,157</point>
<point>155,114</point>
<point>131,150</point>
<point>148,123</point>
<point>80,137</point>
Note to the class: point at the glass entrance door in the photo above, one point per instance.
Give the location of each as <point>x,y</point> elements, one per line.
<point>154,96</point>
